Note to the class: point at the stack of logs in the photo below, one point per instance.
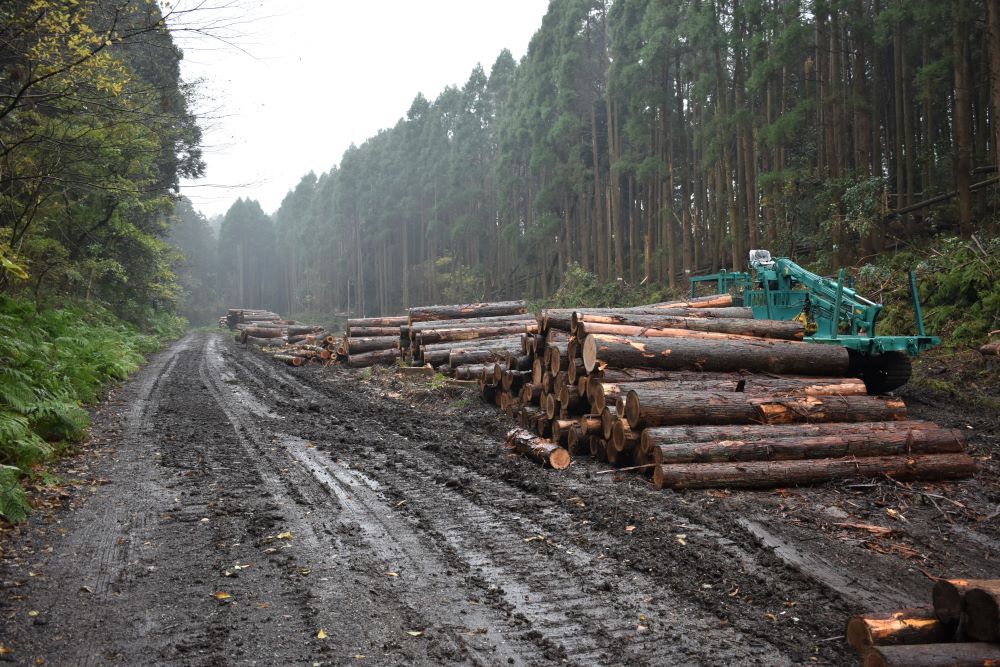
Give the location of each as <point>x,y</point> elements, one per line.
<point>449,337</point>
<point>699,394</point>
<point>371,341</point>
<point>285,340</point>
<point>961,627</point>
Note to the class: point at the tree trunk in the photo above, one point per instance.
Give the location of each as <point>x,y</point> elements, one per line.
<point>651,407</point>
<point>763,474</point>
<point>934,655</point>
<point>543,451</point>
<point>715,355</point>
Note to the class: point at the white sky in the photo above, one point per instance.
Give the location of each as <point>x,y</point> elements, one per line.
<point>306,78</point>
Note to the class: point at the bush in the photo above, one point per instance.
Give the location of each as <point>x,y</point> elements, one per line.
<point>585,290</point>
<point>52,362</point>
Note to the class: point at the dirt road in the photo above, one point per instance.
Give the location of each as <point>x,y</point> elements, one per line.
<point>241,512</point>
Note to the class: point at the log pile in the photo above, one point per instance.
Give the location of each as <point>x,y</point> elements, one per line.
<point>449,337</point>
<point>288,341</point>
<point>698,394</point>
<point>372,341</point>
<point>960,627</point>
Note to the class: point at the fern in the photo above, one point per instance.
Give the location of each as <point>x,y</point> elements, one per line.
<point>13,502</point>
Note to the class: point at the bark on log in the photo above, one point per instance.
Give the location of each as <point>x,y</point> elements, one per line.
<point>262,342</point>
<point>470,371</point>
<point>505,343</point>
<point>990,349</point>
<point>570,400</point>
<point>432,336</point>
<point>651,407</point>
<point>290,359</point>
<point>551,406</point>
<point>471,323</point>
<point>461,357</point>
<point>679,326</point>
<point>973,654</point>
<point>359,345</point>
<point>763,474</point>
<point>711,301</point>
<point>577,444</point>
<point>370,332</point>
<point>512,381</point>
<point>624,439</point>
<point>947,596</point>
<point>591,424</point>
<point>981,612</point>
<point>598,448</point>
<point>561,429</point>
<point>466,310</point>
<point>302,329</point>
<point>772,356</point>
<point>665,435</point>
<point>264,332</point>
<point>916,625</point>
<point>859,443</point>
<point>392,321</point>
<point>575,370</point>
<point>382,357</point>
<point>609,416</point>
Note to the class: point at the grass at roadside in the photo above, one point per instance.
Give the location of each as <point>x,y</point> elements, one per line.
<point>53,361</point>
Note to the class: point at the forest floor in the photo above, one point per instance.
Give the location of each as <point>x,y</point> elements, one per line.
<point>230,510</point>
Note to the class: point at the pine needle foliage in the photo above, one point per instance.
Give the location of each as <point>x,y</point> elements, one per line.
<point>52,362</point>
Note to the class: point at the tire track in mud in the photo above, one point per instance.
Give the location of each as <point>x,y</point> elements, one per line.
<point>562,593</point>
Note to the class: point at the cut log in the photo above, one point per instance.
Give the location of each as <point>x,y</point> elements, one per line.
<point>262,342</point>
<point>472,322</point>
<point>665,435</point>
<point>359,345</point>
<point>392,321</point>
<point>609,416</point>
<point>763,474</point>
<point>679,327</point>
<point>624,439</point>
<point>512,381</point>
<point>301,329</point>
<point>947,596</point>
<point>772,356</point>
<point>577,444</point>
<point>264,332</point>
<point>470,371</point>
<point>561,429</point>
<point>575,369</point>
<point>378,357</point>
<point>290,359</point>
<point>599,448</point>
<point>570,400</point>
<point>975,654</point>
<point>541,450</point>
<point>859,443</point>
<point>466,310</point>
<point>432,336</point>
<point>916,625</point>
<point>371,332</point>
<point>981,612</point>
<point>711,301</point>
<point>693,319</point>
<point>461,357</point>
<point>652,407</point>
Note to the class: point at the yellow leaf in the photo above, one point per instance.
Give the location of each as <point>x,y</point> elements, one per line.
<point>33,612</point>
<point>414,633</point>
<point>221,596</point>
<point>287,535</point>
<point>392,574</point>
<point>321,634</point>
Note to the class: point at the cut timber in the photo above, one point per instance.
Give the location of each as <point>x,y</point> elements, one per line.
<point>712,301</point>
<point>678,326</point>
<point>561,429</point>
<point>303,329</point>
<point>609,416</point>
<point>947,596</point>
<point>369,332</point>
<point>263,342</point>
<point>665,435</point>
<point>431,336</point>
<point>394,321</point>
<point>981,612</point>
<point>474,355</point>
<point>773,356</point>
<point>976,654</point>
<point>904,626</point>
<point>358,345</point>
<point>539,449</point>
<point>467,310</point>
<point>763,474</point>
<point>290,359</point>
<point>472,322</point>
<point>263,332</point>
<point>624,439</point>
<point>652,407</point>
<point>861,442</point>
<point>386,357</point>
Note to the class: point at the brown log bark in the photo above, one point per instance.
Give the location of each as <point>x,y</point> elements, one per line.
<point>862,442</point>
<point>916,625</point>
<point>711,301</point>
<point>626,331</point>
<point>527,416</point>
<point>990,349</point>
<point>472,323</point>
<point>433,336</point>
<point>264,332</point>
<point>290,359</point>
<point>598,448</point>
<point>763,474</point>
<point>974,654</point>
<point>466,310</point>
<point>303,329</point>
<point>359,345</point>
<point>609,416</point>
<point>551,404</point>
<point>981,612</point>
<point>370,332</point>
<point>577,443</point>
<point>512,381</point>
<point>575,369</point>
<point>262,342</point>
<point>460,357</point>
<point>570,400</point>
<point>543,451</point>
<point>556,356</point>
<point>591,424</point>
<point>651,407</point>
<point>773,356</point>
<point>506,343</point>
<point>470,371</point>
<point>624,439</point>
<point>561,429</point>
<point>948,594</point>
<point>560,320</point>
<point>393,321</point>
<point>382,357</point>
<point>634,325</point>
<point>665,435</point>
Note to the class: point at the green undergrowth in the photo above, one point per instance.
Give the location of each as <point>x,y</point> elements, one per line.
<point>583,289</point>
<point>53,361</point>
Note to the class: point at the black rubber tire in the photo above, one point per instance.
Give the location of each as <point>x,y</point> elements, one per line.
<point>886,372</point>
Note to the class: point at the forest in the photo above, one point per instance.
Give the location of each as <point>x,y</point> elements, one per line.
<point>644,141</point>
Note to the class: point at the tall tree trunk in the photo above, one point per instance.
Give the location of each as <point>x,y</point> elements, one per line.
<point>963,122</point>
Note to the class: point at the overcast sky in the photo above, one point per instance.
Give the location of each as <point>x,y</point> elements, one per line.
<point>306,78</point>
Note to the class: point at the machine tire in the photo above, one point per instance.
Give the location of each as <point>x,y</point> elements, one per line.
<point>886,372</point>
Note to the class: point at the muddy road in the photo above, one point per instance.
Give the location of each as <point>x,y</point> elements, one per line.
<point>231,511</point>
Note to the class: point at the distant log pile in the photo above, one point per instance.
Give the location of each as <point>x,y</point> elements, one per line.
<point>698,394</point>
<point>371,341</point>
<point>288,341</point>
<point>960,627</point>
